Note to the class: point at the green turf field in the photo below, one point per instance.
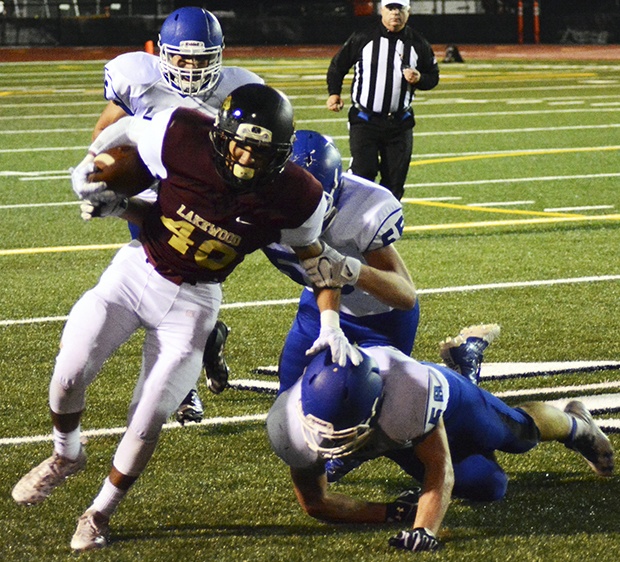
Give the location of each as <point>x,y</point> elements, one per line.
<point>512,216</point>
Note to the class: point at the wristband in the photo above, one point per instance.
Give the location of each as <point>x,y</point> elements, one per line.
<point>330,319</point>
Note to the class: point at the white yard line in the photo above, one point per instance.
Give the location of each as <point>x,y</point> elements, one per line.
<point>431,291</point>
<point>120,430</point>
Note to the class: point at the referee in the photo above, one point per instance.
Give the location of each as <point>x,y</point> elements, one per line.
<point>390,62</point>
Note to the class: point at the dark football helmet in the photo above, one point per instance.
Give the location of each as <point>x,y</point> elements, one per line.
<point>318,154</point>
<point>339,404</point>
<point>259,119</point>
<point>192,33</point>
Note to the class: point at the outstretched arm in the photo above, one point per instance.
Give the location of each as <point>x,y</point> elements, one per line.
<point>311,491</point>
<point>387,279</point>
<point>328,302</point>
<point>385,275</point>
<point>437,487</point>
<point>434,454</point>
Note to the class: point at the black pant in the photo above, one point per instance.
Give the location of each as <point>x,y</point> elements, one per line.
<point>381,146</point>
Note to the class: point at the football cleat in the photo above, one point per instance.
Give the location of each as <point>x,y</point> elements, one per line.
<point>40,482</point>
<point>216,370</point>
<point>92,531</point>
<point>191,409</point>
<point>589,440</point>
<point>465,352</point>
<point>337,468</point>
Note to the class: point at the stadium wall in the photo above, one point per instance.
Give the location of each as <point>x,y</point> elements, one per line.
<point>570,28</point>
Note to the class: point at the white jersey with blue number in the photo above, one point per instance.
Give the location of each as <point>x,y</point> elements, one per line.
<point>415,396</point>
<point>368,217</point>
<point>134,81</point>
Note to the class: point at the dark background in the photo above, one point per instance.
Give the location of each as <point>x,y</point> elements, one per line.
<point>313,22</point>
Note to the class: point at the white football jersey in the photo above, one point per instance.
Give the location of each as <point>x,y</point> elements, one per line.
<point>134,81</point>
<point>368,217</point>
<point>415,396</point>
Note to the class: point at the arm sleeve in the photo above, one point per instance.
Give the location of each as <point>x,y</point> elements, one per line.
<point>340,65</point>
<point>308,232</point>
<point>123,132</point>
<point>151,142</point>
<point>114,89</point>
<point>428,68</point>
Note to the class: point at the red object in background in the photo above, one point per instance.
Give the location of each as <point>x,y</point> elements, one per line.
<point>520,22</point>
<point>536,22</point>
<point>363,8</point>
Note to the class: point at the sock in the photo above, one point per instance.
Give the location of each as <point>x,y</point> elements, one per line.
<point>108,498</point>
<point>573,432</point>
<point>67,444</point>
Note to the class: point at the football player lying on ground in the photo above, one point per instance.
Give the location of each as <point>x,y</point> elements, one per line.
<point>227,189</point>
<point>187,73</point>
<point>440,429</point>
<point>378,304</point>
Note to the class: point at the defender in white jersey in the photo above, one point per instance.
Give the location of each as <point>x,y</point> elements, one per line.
<point>379,307</point>
<point>378,303</point>
<point>187,73</point>
<point>438,426</point>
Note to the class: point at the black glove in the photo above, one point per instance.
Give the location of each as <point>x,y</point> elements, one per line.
<point>403,509</point>
<point>417,540</point>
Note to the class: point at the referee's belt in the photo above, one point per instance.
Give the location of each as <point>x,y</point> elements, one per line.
<point>399,115</point>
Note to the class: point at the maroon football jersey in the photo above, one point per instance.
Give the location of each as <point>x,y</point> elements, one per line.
<point>201,228</point>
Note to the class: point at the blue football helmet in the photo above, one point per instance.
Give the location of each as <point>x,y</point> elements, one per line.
<point>339,404</point>
<point>191,33</point>
<point>258,118</point>
<point>318,154</point>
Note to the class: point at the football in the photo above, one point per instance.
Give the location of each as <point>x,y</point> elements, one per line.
<point>123,170</point>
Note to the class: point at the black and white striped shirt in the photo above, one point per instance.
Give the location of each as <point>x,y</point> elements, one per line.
<point>378,58</point>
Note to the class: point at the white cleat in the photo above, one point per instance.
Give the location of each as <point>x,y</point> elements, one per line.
<point>41,481</point>
<point>590,441</point>
<point>92,531</point>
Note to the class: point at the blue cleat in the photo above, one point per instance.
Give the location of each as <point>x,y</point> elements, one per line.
<point>465,353</point>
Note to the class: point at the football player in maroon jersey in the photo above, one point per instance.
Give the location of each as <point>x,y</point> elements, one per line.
<point>227,188</point>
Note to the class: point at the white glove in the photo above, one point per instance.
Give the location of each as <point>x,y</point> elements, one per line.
<point>332,269</point>
<point>104,204</point>
<point>332,336</point>
<point>82,187</point>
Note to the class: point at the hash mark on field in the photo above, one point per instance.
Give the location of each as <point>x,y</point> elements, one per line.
<point>589,208</point>
<point>501,204</point>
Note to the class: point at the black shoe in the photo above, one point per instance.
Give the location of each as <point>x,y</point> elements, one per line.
<point>191,409</point>
<point>216,370</point>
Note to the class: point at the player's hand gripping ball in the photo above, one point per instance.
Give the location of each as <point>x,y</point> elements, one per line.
<point>123,171</point>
